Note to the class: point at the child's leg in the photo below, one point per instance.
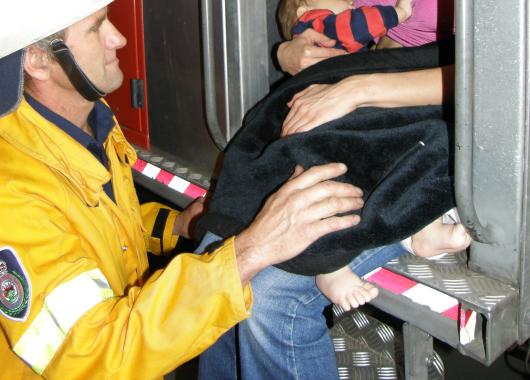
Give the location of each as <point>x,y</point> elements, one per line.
<point>439,237</point>
<point>345,288</point>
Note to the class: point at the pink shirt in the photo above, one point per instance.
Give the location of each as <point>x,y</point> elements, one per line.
<point>431,20</point>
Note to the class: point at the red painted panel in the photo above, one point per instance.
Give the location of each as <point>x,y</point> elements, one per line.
<point>127,16</point>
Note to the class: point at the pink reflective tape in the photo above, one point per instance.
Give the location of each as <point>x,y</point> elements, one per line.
<point>139,165</point>
<point>391,281</point>
<point>195,191</point>
<point>418,293</point>
<point>452,312</point>
<point>164,177</point>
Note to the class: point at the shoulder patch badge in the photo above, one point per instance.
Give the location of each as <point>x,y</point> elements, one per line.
<point>15,289</point>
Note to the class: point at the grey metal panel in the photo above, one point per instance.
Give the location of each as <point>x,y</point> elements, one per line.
<point>524,307</point>
<point>175,83</point>
<point>241,62</point>
<point>418,352</point>
<point>274,38</point>
<point>433,323</point>
<point>175,79</point>
<point>498,119</point>
<point>254,53</point>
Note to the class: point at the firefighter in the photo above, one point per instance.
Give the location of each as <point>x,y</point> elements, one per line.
<point>76,297</point>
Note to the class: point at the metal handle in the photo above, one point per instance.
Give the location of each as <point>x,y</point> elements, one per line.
<point>464,80</point>
<point>212,121</point>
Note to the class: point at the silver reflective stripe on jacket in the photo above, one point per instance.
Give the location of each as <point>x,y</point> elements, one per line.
<point>61,309</point>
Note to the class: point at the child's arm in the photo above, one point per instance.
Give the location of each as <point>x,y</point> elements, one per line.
<point>356,28</point>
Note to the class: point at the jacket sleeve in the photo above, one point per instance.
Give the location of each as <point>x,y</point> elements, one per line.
<point>81,325</point>
<point>158,221</point>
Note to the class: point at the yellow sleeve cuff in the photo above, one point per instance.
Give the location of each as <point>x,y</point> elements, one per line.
<point>159,221</point>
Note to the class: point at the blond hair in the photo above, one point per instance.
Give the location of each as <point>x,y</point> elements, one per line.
<point>287,16</point>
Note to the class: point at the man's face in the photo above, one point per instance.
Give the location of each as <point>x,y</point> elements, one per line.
<point>93,42</point>
<point>336,6</point>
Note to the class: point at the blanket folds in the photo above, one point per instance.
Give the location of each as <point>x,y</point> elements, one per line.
<point>400,157</point>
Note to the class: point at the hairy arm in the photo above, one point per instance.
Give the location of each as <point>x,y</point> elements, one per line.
<point>304,209</point>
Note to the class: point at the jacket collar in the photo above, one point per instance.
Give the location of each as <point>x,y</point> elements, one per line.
<point>39,138</point>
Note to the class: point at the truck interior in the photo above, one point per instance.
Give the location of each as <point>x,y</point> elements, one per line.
<point>194,69</point>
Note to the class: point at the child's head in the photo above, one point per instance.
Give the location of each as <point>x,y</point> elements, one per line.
<point>290,10</point>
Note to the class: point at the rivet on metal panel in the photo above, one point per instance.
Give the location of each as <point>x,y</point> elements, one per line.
<point>339,344</point>
<point>385,333</point>
<point>143,154</point>
<point>361,359</point>
<point>168,165</point>
<point>181,170</point>
<point>360,320</point>
<point>420,270</point>
<point>386,373</point>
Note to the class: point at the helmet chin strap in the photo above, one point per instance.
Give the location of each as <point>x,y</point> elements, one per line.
<point>77,77</point>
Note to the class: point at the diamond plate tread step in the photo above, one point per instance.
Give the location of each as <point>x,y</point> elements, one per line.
<point>493,305</point>
<point>367,349</point>
<point>451,276</point>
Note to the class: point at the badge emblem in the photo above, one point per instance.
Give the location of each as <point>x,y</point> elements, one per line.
<point>14,286</point>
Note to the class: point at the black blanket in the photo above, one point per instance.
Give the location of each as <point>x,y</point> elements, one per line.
<point>399,157</point>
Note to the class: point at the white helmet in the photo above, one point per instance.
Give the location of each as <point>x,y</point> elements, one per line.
<point>24,22</point>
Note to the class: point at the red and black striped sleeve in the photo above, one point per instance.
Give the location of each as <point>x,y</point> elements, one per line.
<point>352,29</point>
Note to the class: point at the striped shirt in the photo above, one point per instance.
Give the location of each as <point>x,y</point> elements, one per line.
<point>352,29</point>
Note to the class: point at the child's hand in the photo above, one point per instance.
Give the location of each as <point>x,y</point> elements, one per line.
<point>404,10</point>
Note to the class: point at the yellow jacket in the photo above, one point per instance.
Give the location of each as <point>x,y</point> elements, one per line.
<point>74,299</point>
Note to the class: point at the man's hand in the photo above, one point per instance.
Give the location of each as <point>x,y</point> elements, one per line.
<point>305,50</point>
<point>304,209</point>
<point>185,221</point>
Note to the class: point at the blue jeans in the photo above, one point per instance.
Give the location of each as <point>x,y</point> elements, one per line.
<point>286,337</point>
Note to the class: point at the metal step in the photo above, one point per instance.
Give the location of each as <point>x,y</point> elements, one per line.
<point>469,311</point>
<point>366,348</point>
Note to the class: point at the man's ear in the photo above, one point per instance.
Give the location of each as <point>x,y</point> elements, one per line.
<point>37,63</point>
<point>301,10</point>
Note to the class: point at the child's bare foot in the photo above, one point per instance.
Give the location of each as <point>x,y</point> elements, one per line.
<point>403,10</point>
<point>438,238</point>
<point>345,288</point>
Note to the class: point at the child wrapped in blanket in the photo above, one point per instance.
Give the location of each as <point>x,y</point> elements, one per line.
<point>356,25</point>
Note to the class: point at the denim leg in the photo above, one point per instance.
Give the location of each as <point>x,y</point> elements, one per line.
<point>219,361</point>
<point>286,336</point>
<point>374,258</point>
